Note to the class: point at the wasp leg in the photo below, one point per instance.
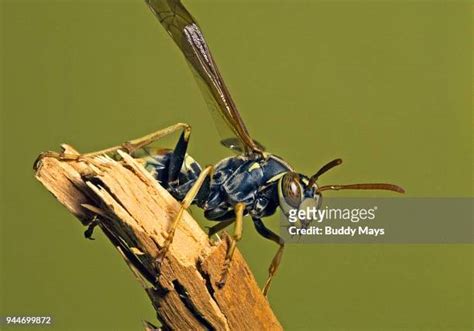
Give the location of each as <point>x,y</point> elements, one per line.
<point>187,201</point>
<point>60,156</point>
<point>239,215</point>
<point>267,233</point>
<point>90,229</point>
<point>133,145</point>
<point>178,155</point>
<point>219,226</point>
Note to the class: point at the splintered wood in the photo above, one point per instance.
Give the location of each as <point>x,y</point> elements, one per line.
<point>134,212</point>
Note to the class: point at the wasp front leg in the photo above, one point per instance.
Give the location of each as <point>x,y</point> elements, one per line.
<point>187,201</point>
<point>267,233</point>
<point>239,215</point>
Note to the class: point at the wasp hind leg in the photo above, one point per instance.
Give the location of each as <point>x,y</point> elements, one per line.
<point>130,146</point>
<point>135,144</point>
<point>187,201</point>
<point>267,233</point>
<point>239,215</point>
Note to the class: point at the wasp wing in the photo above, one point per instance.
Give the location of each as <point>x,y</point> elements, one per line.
<point>235,145</point>
<point>186,33</point>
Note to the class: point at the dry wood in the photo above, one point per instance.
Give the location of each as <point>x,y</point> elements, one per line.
<point>134,212</point>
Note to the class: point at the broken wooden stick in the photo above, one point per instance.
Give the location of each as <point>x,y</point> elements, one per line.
<point>134,211</point>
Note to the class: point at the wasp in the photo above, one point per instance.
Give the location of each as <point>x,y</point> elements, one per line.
<point>254,182</point>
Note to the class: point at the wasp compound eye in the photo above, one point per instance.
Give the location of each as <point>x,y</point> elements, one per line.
<point>290,191</point>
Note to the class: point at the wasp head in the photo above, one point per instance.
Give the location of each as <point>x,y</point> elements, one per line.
<point>299,192</point>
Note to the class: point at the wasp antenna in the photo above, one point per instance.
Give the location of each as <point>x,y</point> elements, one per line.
<point>365,186</point>
<point>325,168</point>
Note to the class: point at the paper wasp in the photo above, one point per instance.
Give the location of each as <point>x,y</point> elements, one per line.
<point>254,183</point>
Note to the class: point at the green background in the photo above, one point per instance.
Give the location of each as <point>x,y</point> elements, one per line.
<point>384,85</point>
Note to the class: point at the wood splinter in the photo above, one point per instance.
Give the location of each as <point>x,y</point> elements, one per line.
<point>134,212</point>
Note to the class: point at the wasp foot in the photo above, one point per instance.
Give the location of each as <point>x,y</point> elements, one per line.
<point>90,229</point>
<point>223,280</point>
